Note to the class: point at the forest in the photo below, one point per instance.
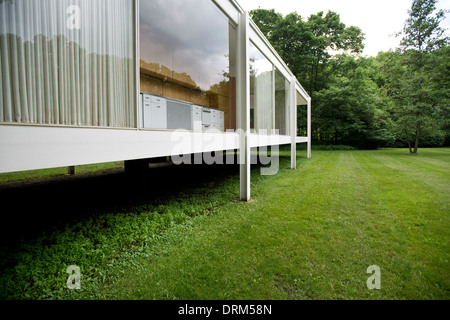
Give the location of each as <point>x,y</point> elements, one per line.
<point>399,98</point>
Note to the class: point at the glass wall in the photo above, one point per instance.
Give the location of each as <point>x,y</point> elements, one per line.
<point>67,62</point>
<point>302,116</point>
<point>187,50</point>
<point>282,103</point>
<point>261,91</point>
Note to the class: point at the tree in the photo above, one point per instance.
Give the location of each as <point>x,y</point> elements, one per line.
<point>422,31</point>
<point>306,45</point>
<point>368,102</point>
<point>266,20</point>
<point>417,100</point>
<point>440,84</point>
<point>349,108</point>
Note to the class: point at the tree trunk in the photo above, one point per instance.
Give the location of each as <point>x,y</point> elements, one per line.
<point>416,145</point>
<point>407,140</point>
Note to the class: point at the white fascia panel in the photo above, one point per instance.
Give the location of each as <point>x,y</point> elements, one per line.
<point>32,147</point>
<point>301,139</point>
<point>259,140</point>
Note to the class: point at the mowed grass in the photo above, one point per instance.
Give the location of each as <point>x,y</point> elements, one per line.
<point>309,234</point>
<point>46,174</point>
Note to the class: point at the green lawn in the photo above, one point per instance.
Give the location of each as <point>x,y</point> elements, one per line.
<point>46,174</point>
<point>309,234</point>
<point>312,233</point>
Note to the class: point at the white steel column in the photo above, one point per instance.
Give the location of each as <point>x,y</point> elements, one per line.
<point>243,103</point>
<point>293,123</point>
<point>274,92</point>
<point>137,64</point>
<point>309,129</point>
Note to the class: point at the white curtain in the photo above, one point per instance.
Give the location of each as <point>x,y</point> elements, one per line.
<point>264,101</point>
<point>282,103</point>
<point>65,66</point>
<point>262,90</point>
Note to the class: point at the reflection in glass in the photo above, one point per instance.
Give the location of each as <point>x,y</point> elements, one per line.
<point>302,116</point>
<point>261,91</point>
<point>282,87</point>
<point>187,52</point>
<point>53,73</point>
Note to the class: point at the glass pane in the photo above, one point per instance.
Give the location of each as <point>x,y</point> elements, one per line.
<point>261,91</point>
<point>302,116</point>
<point>67,62</point>
<point>282,87</point>
<point>188,53</point>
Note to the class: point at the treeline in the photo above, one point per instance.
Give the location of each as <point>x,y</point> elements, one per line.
<point>397,99</point>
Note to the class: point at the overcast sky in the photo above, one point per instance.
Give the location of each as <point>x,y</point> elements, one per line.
<point>379,20</point>
<point>181,42</point>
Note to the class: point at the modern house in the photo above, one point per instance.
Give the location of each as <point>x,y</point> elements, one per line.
<point>93,81</point>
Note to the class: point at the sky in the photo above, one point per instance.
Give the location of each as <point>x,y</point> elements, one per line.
<point>379,20</point>
<point>181,42</point>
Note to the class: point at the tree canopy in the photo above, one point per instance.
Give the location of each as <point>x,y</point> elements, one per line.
<point>399,98</point>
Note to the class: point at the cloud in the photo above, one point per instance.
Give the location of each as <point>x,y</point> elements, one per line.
<point>187,36</point>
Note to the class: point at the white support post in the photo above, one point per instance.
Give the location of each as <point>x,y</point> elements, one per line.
<point>137,65</point>
<point>293,123</point>
<point>243,103</point>
<point>309,129</point>
<point>274,90</point>
<point>71,170</point>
